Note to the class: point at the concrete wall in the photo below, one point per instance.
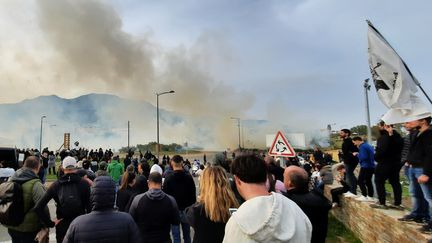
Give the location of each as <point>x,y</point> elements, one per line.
<point>375,225</point>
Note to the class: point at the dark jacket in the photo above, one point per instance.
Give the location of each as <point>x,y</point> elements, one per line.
<point>206,231</point>
<point>155,212</point>
<point>408,139</point>
<point>123,197</point>
<point>316,207</point>
<point>318,156</point>
<point>181,186</point>
<point>103,224</point>
<point>388,150</point>
<point>277,171</point>
<point>348,148</point>
<point>53,191</point>
<point>420,154</point>
<point>140,187</point>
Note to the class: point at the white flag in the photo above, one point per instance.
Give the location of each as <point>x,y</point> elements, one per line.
<point>395,85</point>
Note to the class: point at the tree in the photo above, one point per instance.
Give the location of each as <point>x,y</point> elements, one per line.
<point>360,130</point>
<point>151,146</point>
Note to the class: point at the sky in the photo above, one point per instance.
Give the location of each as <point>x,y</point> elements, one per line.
<point>298,63</point>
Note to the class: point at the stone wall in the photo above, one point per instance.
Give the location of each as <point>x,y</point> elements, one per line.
<point>375,225</point>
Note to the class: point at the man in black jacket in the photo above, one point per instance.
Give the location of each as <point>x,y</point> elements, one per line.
<point>313,203</point>
<point>180,185</point>
<point>388,156</point>
<point>350,161</point>
<point>155,212</point>
<point>111,226</point>
<point>72,196</point>
<point>420,208</point>
<point>420,161</point>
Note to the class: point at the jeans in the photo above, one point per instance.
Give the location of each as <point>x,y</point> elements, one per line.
<point>383,173</point>
<point>116,194</point>
<point>320,187</point>
<point>351,179</point>
<point>365,181</point>
<point>42,174</point>
<point>22,237</point>
<point>421,195</point>
<point>53,169</point>
<point>185,229</point>
<point>406,172</point>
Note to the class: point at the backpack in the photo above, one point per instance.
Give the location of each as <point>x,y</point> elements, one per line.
<point>70,201</point>
<point>12,203</point>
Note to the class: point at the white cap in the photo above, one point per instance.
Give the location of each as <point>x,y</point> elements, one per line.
<point>156,168</point>
<point>69,163</point>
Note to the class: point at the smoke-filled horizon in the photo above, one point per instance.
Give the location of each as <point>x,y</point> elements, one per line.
<point>85,49</point>
<point>100,120</point>
<point>298,65</point>
<point>93,50</point>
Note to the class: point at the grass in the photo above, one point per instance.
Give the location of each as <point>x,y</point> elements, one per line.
<point>338,233</point>
<point>405,190</point>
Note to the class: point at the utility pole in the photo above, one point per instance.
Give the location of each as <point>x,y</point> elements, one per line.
<point>366,87</point>
<point>128,134</point>
<point>243,136</point>
<point>239,128</point>
<point>157,118</point>
<point>40,137</point>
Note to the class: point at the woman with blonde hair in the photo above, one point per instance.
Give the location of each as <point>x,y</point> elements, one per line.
<point>210,214</point>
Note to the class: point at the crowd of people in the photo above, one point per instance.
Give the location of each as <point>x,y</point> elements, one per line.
<point>250,198</point>
<point>238,200</point>
<point>393,152</point>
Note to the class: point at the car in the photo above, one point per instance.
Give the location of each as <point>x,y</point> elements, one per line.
<point>9,157</point>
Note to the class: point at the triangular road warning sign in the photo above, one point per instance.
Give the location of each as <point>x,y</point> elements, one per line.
<point>280,147</point>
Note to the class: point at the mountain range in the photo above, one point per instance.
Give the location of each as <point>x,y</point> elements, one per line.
<point>101,120</point>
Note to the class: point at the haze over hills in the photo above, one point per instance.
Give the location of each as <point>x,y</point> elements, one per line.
<point>100,120</point>
<point>93,120</point>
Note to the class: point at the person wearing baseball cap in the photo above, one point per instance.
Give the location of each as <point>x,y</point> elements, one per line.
<point>72,196</point>
<point>69,163</point>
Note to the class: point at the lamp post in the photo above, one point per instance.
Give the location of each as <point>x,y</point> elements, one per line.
<point>366,87</point>
<point>157,115</point>
<point>238,124</point>
<point>40,138</point>
<point>51,134</point>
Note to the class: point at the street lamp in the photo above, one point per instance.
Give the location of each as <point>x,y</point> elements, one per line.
<point>40,141</point>
<point>157,115</point>
<point>238,124</point>
<point>51,134</point>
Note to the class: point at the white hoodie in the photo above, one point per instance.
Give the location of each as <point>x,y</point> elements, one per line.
<point>273,218</point>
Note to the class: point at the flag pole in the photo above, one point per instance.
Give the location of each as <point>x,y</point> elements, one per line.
<point>406,66</point>
<point>424,92</point>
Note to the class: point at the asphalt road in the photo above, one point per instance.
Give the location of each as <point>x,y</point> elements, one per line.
<point>4,236</point>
